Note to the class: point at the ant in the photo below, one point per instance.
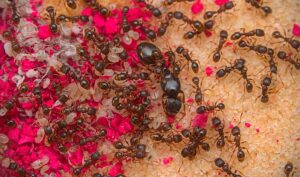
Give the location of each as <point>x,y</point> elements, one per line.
<point>155,11</point>
<point>256,3</point>
<point>73,19</point>
<point>292,42</point>
<point>125,24</point>
<point>199,94</point>
<point>288,168</point>
<point>170,2</point>
<point>272,64</point>
<point>176,138</point>
<point>217,52</point>
<point>14,43</point>
<point>217,107</point>
<point>219,127</point>
<point>266,82</point>
<point>260,49</point>
<point>162,29</point>
<point>95,5</point>
<point>71,4</point>
<point>225,167</point>
<point>99,40</point>
<point>149,54</point>
<point>184,52</point>
<point>199,28</point>
<point>124,76</point>
<point>236,132</point>
<point>227,6</point>
<point>52,14</point>
<point>196,139</point>
<point>283,56</point>
<point>15,16</point>
<point>256,32</point>
<point>171,58</point>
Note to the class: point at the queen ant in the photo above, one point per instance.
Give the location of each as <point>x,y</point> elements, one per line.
<point>292,42</point>
<point>223,8</point>
<point>257,4</point>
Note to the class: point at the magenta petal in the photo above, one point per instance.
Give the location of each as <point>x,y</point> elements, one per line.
<point>25,139</point>
<point>296,30</point>
<point>200,120</point>
<point>14,134</point>
<point>44,32</point>
<point>221,2</point>
<point>125,127</point>
<point>197,7</point>
<point>76,157</point>
<point>115,170</point>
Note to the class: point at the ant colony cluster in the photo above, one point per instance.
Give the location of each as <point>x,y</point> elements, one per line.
<point>89,87</point>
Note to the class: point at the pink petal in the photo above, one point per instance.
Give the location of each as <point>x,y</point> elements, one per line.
<point>25,139</point>
<point>296,30</point>
<point>44,32</point>
<point>221,2</point>
<point>231,125</point>
<point>125,127</point>
<point>115,170</point>
<point>208,71</point>
<point>247,124</point>
<point>112,135</point>
<point>76,157</point>
<point>200,120</point>
<point>28,130</point>
<point>27,105</point>
<point>99,21</point>
<point>87,11</point>
<point>111,26</point>
<point>14,134</point>
<point>257,130</point>
<point>167,160</point>
<point>197,7</point>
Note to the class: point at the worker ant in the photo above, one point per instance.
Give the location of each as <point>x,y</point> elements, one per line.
<point>15,16</point>
<point>256,32</point>
<point>223,8</point>
<point>285,57</point>
<point>222,41</point>
<point>216,107</point>
<point>259,49</point>
<point>95,5</point>
<point>199,28</point>
<point>257,4</point>
<point>219,127</point>
<point>219,162</point>
<point>198,94</point>
<point>184,52</point>
<point>288,169</point>
<point>14,43</point>
<point>73,19</point>
<point>52,14</point>
<point>292,42</point>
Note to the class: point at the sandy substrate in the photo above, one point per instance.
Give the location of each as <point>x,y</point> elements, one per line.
<point>272,137</point>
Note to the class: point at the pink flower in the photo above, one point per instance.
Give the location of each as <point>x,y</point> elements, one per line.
<point>197,7</point>
<point>221,2</point>
<point>200,120</point>
<point>44,32</point>
<point>167,160</point>
<point>125,127</point>
<point>247,124</point>
<point>296,30</point>
<point>208,71</point>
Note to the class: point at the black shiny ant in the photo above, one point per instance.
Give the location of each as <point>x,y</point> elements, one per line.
<point>176,138</point>
<point>219,127</point>
<point>257,4</point>
<point>162,29</point>
<point>196,137</point>
<point>125,25</point>
<point>266,82</point>
<point>64,18</point>
<point>126,76</point>
<point>256,32</point>
<point>222,41</point>
<point>20,170</point>
<point>272,64</point>
<point>99,40</point>
<point>292,42</point>
<point>52,14</point>
<point>14,43</point>
<point>15,16</point>
<point>72,4</point>
<point>154,10</point>
<point>260,49</point>
<point>171,58</point>
<point>219,162</point>
<point>236,132</point>
<point>284,56</point>
<point>185,53</point>
<point>223,8</point>
<point>216,107</point>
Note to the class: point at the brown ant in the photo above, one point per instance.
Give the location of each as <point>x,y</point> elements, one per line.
<point>176,138</point>
<point>283,56</point>
<point>125,24</point>
<point>225,167</point>
<point>256,3</point>
<point>125,76</point>
<point>73,19</point>
<point>227,6</point>
<point>155,11</point>
<point>14,43</point>
<point>266,82</point>
<point>236,132</point>
<point>260,49</point>
<point>99,40</point>
<point>288,169</point>
<point>199,94</point>
<point>184,52</point>
<point>71,4</point>
<point>219,127</point>
<point>272,64</point>
<point>15,16</point>
<point>216,107</point>
<point>292,42</point>
<point>199,28</point>
<point>95,5</point>
<point>256,32</point>
<point>52,14</point>
<point>171,58</point>
<point>162,29</point>
<point>217,52</point>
